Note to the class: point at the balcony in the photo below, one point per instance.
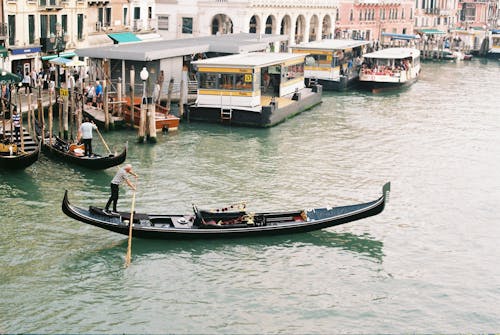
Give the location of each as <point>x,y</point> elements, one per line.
<point>3,31</point>
<point>55,46</point>
<point>98,3</point>
<point>51,4</point>
<point>432,11</point>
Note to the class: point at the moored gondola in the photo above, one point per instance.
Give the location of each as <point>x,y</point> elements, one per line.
<point>61,150</point>
<point>13,158</point>
<point>57,148</point>
<point>216,224</point>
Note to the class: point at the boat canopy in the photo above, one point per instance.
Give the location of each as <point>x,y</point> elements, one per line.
<point>431,31</point>
<point>400,36</point>
<point>330,44</point>
<point>250,60</point>
<point>394,53</point>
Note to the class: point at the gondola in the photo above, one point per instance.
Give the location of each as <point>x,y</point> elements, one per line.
<point>203,224</point>
<point>19,161</point>
<point>11,156</point>
<point>60,149</point>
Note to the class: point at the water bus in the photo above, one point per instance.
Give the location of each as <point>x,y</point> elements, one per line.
<point>254,89</point>
<point>390,68</point>
<point>333,63</point>
<point>494,50</point>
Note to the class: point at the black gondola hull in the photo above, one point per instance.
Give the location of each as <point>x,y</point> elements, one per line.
<point>150,229</point>
<point>94,163</point>
<point>19,162</point>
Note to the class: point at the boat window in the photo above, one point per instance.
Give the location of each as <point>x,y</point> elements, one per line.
<point>318,60</point>
<point>226,81</point>
<point>207,80</point>
<point>292,72</point>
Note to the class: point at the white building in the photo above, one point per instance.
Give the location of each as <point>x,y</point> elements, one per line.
<point>302,21</point>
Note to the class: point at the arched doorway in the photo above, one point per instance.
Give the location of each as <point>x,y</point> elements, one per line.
<point>300,27</point>
<point>270,25</point>
<point>254,26</point>
<point>313,28</point>
<point>326,30</point>
<point>222,24</point>
<point>286,23</point>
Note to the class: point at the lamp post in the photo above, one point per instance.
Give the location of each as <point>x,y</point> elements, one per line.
<point>144,74</point>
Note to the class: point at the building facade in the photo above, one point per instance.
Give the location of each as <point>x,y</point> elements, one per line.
<point>301,21</point>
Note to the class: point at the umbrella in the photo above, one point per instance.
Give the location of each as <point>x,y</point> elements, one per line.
<point>61,61</point>
<point>7,77</point>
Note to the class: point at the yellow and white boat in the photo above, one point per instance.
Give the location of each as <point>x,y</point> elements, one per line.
<point>253,89</point>
<point>332,63</point>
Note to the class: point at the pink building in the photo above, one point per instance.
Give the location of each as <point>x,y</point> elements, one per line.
<point>368,19</point>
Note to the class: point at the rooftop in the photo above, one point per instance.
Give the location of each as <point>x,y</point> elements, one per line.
<point>254,59</point>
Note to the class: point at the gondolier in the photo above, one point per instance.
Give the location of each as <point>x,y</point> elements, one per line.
<point>85,134</point>
<point>120,177</point>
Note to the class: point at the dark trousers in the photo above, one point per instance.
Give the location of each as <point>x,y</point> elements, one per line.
<point>114,197</point>
<point>87,143</point>
<point>17,132</point>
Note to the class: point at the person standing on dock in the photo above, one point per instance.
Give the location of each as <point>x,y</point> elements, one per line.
<point>120,177</point>
<point>98,94</point>
<point>85,135</point>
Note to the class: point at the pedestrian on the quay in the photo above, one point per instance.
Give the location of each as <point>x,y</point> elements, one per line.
<point>120,177</point>
<point>90,94</point>
<point>27,83</point>
<point>85,135</point>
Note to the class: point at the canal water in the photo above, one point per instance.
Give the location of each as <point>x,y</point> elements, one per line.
<point>427,264</point>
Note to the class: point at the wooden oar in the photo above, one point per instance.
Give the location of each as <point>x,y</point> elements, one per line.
<point>129,248</point>
<point>103,141</point>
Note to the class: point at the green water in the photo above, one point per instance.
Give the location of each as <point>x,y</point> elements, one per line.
<point>427,264</point>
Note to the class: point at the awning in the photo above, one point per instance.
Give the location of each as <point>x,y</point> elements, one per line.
<point>7,77</point>
<point>431,31</point>
<point>69,54</point>
<point>400,36</point>
<point>65,62</point>
<point>124,38</point>
<point>3,51</point>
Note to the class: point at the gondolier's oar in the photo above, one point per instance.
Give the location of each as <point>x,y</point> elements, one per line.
<point>103,141</point>
<point>129,248</point>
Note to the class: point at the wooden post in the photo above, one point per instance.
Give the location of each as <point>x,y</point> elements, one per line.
<point>20,111</point>
<point>65,102</point>
<point>132,94</point>
<point>80,110</point>
<point>72,112</point>
<point>142,121</point>
<point>161,79</point>
<point>29,115</point>
<point>169,94</point>
<point>59,113</point>
<point>151,108</point>
<point>105,108</point>
<point>181,99</point>
<point>119,96</point>
<point>51,117</point>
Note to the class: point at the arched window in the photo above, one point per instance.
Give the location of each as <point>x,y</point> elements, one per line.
<point>351,16</point>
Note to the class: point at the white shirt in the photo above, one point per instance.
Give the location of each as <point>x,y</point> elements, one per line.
<point>86,130</point>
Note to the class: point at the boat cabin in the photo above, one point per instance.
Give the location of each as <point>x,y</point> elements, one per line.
<point>248,81</point>
<point>494,51</point>
<point>331,61</point>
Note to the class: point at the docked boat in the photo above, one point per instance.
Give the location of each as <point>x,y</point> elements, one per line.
<point>65,151</point>
<point>206,224</point>
<point>254,89</point>
<point>164,121</point>
<point>12,157</point>
<point>332,63</point>
<point>390,68</point>
<point>494,45</point>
